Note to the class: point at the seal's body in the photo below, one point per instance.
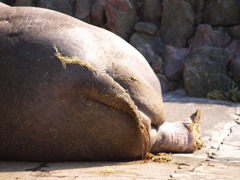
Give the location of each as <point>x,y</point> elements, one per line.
<point>72,91</point>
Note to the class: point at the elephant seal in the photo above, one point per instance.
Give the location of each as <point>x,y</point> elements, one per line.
<point>72,91</point>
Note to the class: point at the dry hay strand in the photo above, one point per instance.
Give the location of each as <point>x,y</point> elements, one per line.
<point>72,60</point>
<point>134,78</point>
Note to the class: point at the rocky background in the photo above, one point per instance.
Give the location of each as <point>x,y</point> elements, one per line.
<point>194,44</point>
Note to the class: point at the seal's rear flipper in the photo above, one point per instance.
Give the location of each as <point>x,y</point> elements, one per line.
<point>195,129</point>
<point>196,116</point>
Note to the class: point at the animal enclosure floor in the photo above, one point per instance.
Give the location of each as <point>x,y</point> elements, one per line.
<point>218,160</point>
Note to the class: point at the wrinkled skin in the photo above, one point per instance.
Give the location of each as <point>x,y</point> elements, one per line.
<point>72,91</point>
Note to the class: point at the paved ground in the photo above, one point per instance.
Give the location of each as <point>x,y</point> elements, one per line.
<point>220,159</point>
<point>221,132</point>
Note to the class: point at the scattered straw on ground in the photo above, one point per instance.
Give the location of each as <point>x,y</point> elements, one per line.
<point>232,95</point>
<point>159,157</point>
<point>164,158</point>
<point>108,170</point>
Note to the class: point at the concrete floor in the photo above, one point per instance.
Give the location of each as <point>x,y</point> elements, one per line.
<point>220,159</point>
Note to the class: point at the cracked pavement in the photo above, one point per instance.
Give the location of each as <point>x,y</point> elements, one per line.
<point>220,159</point>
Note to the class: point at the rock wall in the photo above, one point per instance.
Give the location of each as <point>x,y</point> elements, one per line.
<point>188,43</point>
